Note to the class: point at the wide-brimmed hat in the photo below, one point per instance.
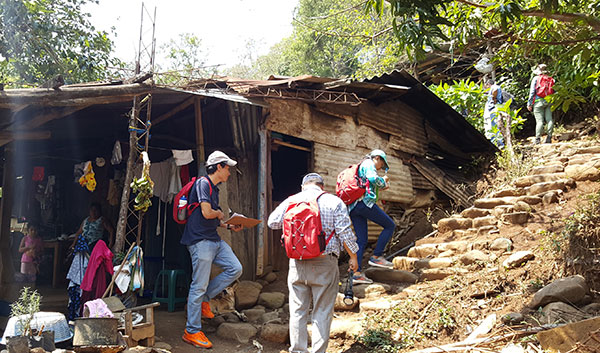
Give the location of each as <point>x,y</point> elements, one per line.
<point>540,69</point>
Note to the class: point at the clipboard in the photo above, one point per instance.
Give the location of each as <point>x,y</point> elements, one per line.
<point>238,219</point>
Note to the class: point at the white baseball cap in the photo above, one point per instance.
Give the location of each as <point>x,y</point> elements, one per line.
<point>218,157</point>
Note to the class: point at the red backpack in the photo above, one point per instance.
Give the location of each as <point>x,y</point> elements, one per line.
<point>544,85</point>
<point>303,237</point>
<point>349,185</point>
<point>186,210</point>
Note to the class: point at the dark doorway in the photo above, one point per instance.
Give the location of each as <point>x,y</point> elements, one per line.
<point>290,161</point>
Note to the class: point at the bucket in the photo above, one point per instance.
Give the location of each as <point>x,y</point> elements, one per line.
<point>95,331</point>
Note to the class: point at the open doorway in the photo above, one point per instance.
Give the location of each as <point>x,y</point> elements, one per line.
<point>291,159</point>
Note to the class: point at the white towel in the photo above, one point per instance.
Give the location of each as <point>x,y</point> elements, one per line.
<point>182,157</point>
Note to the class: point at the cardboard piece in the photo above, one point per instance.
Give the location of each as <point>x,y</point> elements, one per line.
<point>238,219</point>
<point>564,338</point>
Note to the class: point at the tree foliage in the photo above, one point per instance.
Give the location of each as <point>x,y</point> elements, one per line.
<point>185,60</point>
<point>40,39</point>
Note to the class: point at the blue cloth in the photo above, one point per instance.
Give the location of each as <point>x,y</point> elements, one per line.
<point>197,227</point>
<point>93,230</point>
<point>334,216</point>
<point>492,130</point>
<point>368,175</point>
<point>203,254</point>
<point>359,216</point>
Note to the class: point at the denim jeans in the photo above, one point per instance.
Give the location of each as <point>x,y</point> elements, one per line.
<point>359,216</point>
<point>203,254</point>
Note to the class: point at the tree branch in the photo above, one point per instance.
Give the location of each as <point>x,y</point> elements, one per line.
<point>566,17</point>
<point>334,34</point>
<point>561,42</point>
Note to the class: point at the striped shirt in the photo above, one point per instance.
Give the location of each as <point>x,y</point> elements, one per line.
<point>334,216</point>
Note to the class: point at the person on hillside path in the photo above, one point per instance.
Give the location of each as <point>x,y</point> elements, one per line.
<point>540,107</point>
<point>365,208</point>
<point>206,247</point>
<point>490,113</point>
<point>317,277</point>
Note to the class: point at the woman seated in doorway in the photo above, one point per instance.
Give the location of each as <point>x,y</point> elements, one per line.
<point>92,228</point>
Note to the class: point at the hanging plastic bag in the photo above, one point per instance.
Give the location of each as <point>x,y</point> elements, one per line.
<point>117,155</point>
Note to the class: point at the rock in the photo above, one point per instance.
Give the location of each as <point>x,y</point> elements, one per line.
<point>565,338</point>
<point>513,319</point>
<point>271,300</point>
<point>136,349</point>
<point>592,309</point>
<point>515,217</point>
<point>271,277</point>
<point>434,274</point>
<point>422,251</point>
<point>163,345</point>
<point>340,305</point>
<point>447,253</point>
<point>518,258</point>
<point>41,350</point>
<point>345,328</point>
<point>378,305</point>
<point>253,314</point>
<point>550,197</point>
<point>452,223</point>
<point>539,188</point>
<point>508,192</point>
<point>246,294</point>
<point>570,289</point>
<point>474,256</point>
<point>360,290</point>
<point>493,202</point>
<point>218,320</point>
<point>547,169</point>
<point>473,212</point>
<point>484,221</point>
<point>456,246</point>
<point>240,331</point>
<point>561,313</point>
<point>286,308</point>
<point>231,317</point>
<point>480,244</point>
<point>437,262</point>
<point>587,171</point>
<point>530,200</point>
<point>521,206</point>
<point>275,333</point>
<point>377,289</point>
<point>501,244</point>
<point>262,282</point>
<point>404,263</point>
<point>541,178</point>
<point>592,150</point>
<point>270,316</point>
<point>387,275</point>
<point>512,348</point>
<point>498,211</point>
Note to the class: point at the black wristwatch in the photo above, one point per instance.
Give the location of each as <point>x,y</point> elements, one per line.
<point>228,226</point>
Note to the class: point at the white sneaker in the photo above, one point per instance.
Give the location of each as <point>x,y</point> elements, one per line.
<point>361,279</point>
<point>380,261</point>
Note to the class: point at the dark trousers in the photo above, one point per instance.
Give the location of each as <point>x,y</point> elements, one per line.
<point>359,216</point>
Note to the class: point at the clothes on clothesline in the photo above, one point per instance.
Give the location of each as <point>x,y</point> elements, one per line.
<point>100,263</point>
<point>182,157</point>
<point>75,277</point>
<point>167,181</point>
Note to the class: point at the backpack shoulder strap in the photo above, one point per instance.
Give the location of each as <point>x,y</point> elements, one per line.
<point>317,206</point>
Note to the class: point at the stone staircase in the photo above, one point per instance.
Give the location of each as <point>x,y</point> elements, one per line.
<point>475,232</point>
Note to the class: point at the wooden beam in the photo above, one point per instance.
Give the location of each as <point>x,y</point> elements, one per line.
<point>183,105</point>
<point>69,95</point>
<point>199,131</point>
<point>438,178</point>
<point>6,203</point>
<point>45,118</point>
<point>291,145</point>
<point>262,199</point>
<point>24,135</point>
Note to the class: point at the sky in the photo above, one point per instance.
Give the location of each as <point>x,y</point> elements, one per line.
<point>224,26</point>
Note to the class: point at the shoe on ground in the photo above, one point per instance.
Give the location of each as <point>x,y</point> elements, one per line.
<point>197,339</point>
<point>548,139</point>
<point>206,312</point>
<point>361,279</point>
<point>537,140</point>
<point>380,261</point>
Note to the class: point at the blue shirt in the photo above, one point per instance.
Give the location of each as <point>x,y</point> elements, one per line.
<point>197,227</point>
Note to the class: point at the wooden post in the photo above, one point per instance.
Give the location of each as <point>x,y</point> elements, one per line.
<point>199,135</point>
<point>262,200</point>
<point>6,203</point>
<point>122,222</point>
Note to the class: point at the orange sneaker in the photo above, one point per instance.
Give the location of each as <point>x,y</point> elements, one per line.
<point>206,312</point>
<point>197,339</point>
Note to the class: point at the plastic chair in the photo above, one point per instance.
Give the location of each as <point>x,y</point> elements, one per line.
<point>171,282</point>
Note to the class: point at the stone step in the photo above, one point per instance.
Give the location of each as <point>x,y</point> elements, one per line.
<point>508,192</point>
<point>491,202</point>
<point>485,221</point>
<point>583,159</point>
<point>515,217</point>
<point>474,212</point>
<point>433,250</point>
<point>405,263</point>
<point>547,169</point>
<point>434,274</point>
<point>388,275</point>
<point>538,178</point>
<point>452,223</point>
<point>591,149</point>
<point>581,172</point>
<point>540,188</point>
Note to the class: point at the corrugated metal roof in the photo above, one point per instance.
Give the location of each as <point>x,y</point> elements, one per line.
<point>330,161</point>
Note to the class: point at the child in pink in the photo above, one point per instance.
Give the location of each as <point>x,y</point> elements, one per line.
<point>32,247</point>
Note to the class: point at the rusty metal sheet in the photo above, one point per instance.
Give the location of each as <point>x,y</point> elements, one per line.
<point>330,161</point>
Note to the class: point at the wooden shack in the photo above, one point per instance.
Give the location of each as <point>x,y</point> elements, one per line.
<point>278,129</point>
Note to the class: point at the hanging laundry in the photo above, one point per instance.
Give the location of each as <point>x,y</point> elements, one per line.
<point>38,174</point>
<point>135,260</point>
<point>94,280</point>
<point>183,157</point>
<point>184,172</point>
<point>166,179</point>
<point>75,277</point>
<point>88,178</point>
<point>113,193</point>
<point>117,155</point>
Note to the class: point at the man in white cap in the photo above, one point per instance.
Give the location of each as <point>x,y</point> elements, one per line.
<point>317,278</point>
<point>206,247</point>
